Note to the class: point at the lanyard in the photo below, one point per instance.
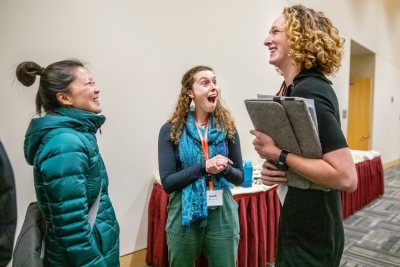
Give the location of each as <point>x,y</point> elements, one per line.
<point>285,90</point>
<point>204,147</point>
<point>282,91</point>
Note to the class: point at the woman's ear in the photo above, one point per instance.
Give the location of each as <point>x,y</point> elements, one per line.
<point>64,99</point>
<point>190,93</point>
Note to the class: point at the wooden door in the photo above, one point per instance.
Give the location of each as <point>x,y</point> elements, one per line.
<point>359,120</point>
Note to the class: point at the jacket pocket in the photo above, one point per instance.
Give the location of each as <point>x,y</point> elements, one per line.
<point>107,237</point>
<point>97,237</point>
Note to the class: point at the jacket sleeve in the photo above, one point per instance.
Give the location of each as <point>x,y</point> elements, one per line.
<point>64,164</point>
<point>8,208</point>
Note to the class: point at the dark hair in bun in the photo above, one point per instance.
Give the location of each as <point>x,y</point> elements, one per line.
<point>27,71</point>
<point>54,79</point>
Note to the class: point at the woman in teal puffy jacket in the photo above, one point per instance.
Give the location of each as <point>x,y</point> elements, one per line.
<point>71,181</point>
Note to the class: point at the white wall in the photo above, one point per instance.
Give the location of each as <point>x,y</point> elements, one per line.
<point>362,66</point>
<point>386,114</point>
<point>340,82</point>
<point>138,51</point>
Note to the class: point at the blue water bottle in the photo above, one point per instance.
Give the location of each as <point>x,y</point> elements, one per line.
<point>248,173</point>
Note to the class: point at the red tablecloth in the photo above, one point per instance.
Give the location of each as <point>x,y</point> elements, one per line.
<point>258,218</point>
<point>370,186</point>
<point>156,237</point>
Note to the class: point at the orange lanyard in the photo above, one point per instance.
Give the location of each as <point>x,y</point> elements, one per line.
<point>282,91</point>
<point>285,90</point>
<point>204,147</point>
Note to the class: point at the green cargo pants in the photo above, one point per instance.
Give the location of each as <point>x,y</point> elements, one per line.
<point>217,235</point>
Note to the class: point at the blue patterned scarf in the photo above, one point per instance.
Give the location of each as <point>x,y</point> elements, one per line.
<point>194,202</point>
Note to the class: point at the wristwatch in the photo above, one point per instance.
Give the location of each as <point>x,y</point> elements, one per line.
<point>281,164</point>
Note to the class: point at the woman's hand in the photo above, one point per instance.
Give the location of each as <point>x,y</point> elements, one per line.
<point>217,164</point>
<point>265,146</point>
<point>270,175</point>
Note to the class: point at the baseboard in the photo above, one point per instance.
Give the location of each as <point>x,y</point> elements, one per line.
<point>391,163</point>
<point>134,259</point>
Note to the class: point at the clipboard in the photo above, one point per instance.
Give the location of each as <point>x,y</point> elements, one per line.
<point>291,122</point>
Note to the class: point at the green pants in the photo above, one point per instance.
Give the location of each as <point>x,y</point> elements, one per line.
<point>217,235</point>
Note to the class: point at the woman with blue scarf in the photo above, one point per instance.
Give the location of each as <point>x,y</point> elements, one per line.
<point>199,157</point>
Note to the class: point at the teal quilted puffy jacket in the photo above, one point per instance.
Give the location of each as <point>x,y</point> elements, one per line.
<point>68,173</point>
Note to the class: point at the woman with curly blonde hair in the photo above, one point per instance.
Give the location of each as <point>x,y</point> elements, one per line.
<point>304,46</point>
<point>199,156</point>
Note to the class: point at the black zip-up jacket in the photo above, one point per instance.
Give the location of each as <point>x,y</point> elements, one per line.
<point>8,208</point>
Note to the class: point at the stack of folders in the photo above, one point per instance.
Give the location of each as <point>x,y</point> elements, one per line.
<point>292,124</point>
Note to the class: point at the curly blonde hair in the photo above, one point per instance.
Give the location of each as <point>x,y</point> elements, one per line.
<point>223,118</point>
<point>314,41</point>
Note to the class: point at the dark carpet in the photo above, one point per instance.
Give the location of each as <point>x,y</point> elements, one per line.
<point>373,233</point>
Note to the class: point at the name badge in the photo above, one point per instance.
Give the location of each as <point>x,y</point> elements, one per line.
<point>214,198</point>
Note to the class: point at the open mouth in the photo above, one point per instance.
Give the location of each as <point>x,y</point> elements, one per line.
<point>212,99</point>
<point>272,50</point>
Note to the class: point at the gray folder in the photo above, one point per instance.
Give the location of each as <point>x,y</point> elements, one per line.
<point>291,122</point>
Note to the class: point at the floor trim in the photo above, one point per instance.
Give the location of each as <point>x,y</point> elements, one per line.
<point>391,163</point>
<point>134,259</point>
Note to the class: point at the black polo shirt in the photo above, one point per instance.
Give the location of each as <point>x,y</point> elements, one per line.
<point>311,229</point>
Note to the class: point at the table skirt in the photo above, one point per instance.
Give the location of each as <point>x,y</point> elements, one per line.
<point>258,217</point>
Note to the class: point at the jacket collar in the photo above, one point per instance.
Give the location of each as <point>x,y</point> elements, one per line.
<point>77,119</point>
<point>89,121</point>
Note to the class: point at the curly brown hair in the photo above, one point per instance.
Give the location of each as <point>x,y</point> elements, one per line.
<point>223,118</point>
<point>314,41</point>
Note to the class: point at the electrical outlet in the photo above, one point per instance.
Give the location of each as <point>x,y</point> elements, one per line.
<point>344,114</point>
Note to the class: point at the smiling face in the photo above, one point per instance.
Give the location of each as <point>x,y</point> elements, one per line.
<point>83,93</point>
<point>278,44</point>
<point>204,92</point>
